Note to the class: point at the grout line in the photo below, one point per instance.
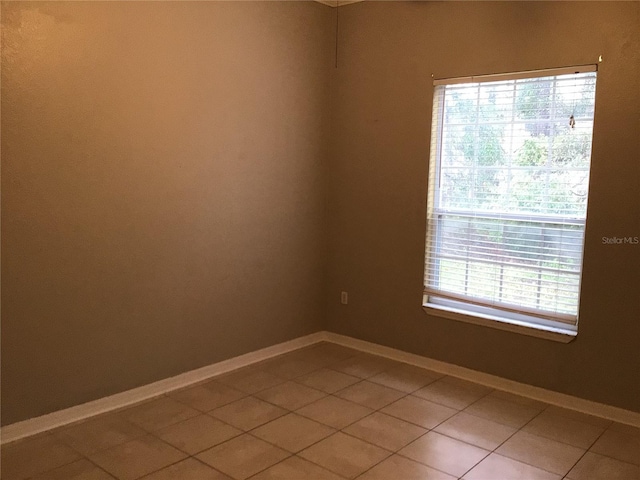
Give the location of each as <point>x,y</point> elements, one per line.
<point>290,454</point>
<point>586,451</point>
<point>98,466</point>
<point>206,464</point>
<point>154,471</point>
<point>295,379</point>
<point>570,419</point>
<point>341,430</point>
<point>496,421</point>
<point>448,406</point>
<point>395,452</point>
<point>511,436</point>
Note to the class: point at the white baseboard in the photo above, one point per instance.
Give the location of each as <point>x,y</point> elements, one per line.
<point>33,426</point>
<point>548,396</point>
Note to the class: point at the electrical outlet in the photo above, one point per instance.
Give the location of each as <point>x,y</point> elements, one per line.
<point>344,298</point>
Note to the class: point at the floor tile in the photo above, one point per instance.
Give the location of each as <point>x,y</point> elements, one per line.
<point>397,467</point>
<point>207,396</point>
<point>80,470</point>
<point>555,457</point>
<point>444,453</point>
<point>344,455</point>
<point>597,467</point>
<point>329,381</point>
<point>295,468</point>
<point>625,429</point>
<point>248,413</point>
<point>292,432</point>
<point>578,416</point>
<point>453,393</point>
<point>250,380</point>
<point>137,457</point>
<point>250,423</point>
<point>334,411</point>
<point>498,467</point>
<point>502,411</point>
<point>158,413</point>
<point>364,366</point>
<point>418,411</point>
<point>618,445</point>
<point>290,395</point>
<point>475,430</point>
<point>370,394</point>
<point>189,469</point>
<point>325,355</point>
<point>385,431</point>
<point>197,434</point>
<point>29,457</point>
<point>97,434</point>
<point>243,456</point>
<point>563,429</point>
<point>405,379</point>
<point>289,368</point>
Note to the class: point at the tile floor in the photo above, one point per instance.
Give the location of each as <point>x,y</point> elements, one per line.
<point>327,412</point>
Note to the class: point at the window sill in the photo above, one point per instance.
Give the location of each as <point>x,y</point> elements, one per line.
<point>556,334</point>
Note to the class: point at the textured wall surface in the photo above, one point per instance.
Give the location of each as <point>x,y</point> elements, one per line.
<point>388,52</point>
<point>162,190</point>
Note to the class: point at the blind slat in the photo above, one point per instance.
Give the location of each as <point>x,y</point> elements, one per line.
<point>508,188</point>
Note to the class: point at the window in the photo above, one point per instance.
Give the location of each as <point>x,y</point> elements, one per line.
<point>508,190</point>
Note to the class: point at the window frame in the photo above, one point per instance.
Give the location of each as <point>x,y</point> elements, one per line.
<point>535,324</point>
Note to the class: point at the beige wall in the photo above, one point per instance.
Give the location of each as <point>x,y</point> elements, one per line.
<point>162,190</point>
<point>378,181</point>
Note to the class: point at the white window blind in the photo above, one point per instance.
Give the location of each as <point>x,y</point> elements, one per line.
<point>509,178</point>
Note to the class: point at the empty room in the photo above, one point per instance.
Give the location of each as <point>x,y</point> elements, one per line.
<point>320,240</point>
